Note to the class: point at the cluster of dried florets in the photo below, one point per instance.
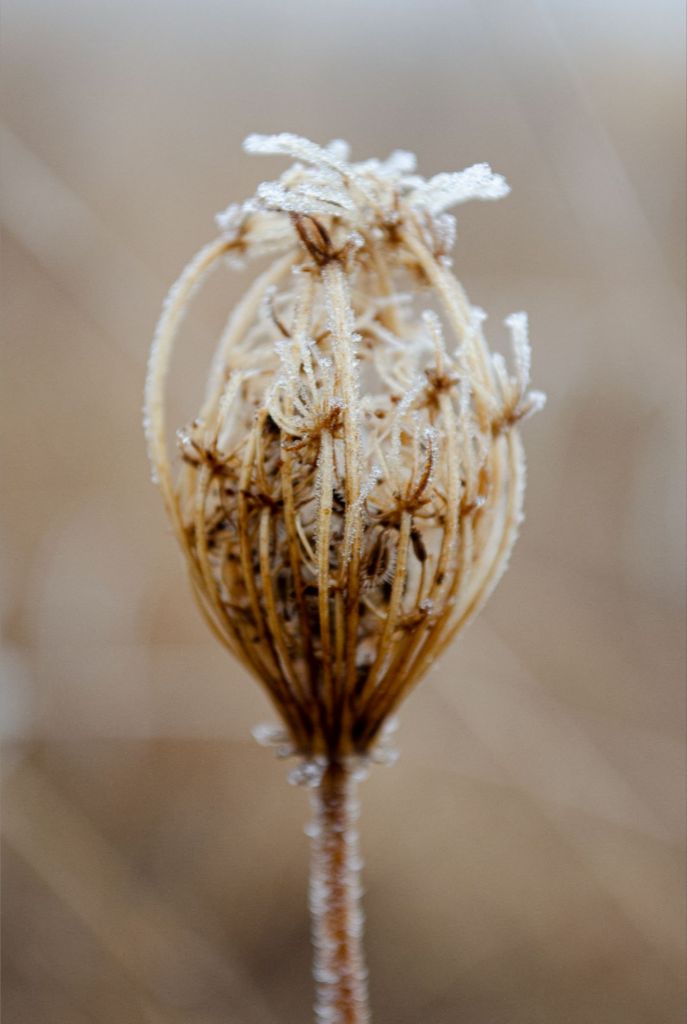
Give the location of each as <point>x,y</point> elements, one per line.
<point>351,488</point>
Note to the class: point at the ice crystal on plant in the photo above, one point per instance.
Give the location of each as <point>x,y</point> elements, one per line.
<point>443,191</point>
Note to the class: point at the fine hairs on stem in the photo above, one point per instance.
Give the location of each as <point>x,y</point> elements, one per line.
<point>349,494</point>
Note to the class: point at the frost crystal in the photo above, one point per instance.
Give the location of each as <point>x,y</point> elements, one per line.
<point>269,734</point>
<point>446,190</point>
<point>517,322</point>
<point>229,220</point>
<point>308,773</point>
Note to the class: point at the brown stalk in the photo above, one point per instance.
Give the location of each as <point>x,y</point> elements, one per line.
<point>340,974</point>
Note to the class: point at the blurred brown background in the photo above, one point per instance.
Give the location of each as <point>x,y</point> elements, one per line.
<point>525,857</point>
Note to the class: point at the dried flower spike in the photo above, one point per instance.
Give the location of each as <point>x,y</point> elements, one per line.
<point>348,496</point>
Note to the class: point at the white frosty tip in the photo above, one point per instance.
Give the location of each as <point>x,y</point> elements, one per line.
<point>401,161</point>
<point>339,149</point>
<point>535,402</point>
<point>448,189</point>
<point>287,144</point>
<point>229,221</point>
<point>517,324</point>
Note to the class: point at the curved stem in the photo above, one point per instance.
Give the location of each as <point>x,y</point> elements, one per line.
<point>335,892</point>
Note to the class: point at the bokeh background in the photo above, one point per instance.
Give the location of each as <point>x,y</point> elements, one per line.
<point>524,859</point>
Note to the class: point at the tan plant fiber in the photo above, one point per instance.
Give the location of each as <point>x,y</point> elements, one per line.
<point>349,494</point>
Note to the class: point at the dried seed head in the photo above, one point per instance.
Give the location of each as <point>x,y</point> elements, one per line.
<point>350,491</point>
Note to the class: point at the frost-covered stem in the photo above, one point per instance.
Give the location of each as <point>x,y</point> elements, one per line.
<point>335,894</point>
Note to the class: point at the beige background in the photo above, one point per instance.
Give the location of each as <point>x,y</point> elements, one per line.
<point>524,858</point>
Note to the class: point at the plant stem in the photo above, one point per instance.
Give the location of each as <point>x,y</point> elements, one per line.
<point>335,892</point>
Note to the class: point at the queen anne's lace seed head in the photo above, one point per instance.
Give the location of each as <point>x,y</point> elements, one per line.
<point>350,491</point>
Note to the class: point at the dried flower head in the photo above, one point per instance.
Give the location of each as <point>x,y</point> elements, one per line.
<point>348,496</point>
